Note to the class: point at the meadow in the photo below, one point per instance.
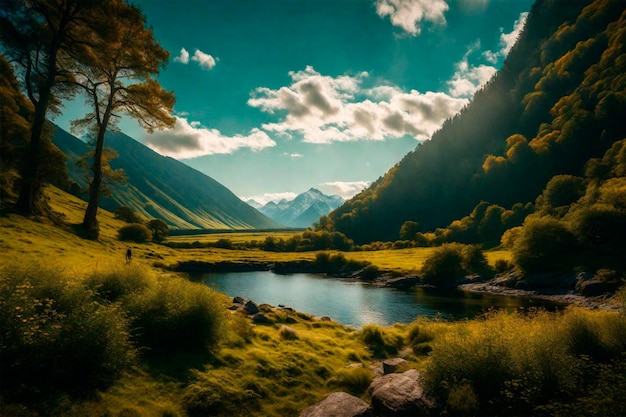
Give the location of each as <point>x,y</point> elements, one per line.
<point>157,344</point>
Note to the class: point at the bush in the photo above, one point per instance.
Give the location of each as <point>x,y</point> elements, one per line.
<point>545,245</point>
<point>177,315</point>
<point>118,283</point>
<point>450,261</point>
<point>56,338</point>
<point>135,232</point>
<point>288,333</point>
<point>128,215</point>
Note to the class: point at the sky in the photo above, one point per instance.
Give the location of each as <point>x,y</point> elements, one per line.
<point>274,97</point>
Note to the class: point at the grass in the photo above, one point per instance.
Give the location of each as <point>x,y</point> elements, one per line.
<point>550,364</point>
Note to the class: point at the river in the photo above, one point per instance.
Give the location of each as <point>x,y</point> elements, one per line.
<point>355,303</point>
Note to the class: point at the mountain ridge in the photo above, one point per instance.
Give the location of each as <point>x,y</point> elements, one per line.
<point>304,210</point>
<point>162,187</point>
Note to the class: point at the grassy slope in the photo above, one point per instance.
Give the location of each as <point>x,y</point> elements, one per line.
<point>286,374</point>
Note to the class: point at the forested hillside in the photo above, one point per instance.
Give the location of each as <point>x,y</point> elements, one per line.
<point>558,101</point>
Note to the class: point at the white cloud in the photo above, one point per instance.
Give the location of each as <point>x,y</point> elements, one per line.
<point>205,60</point>
<point>324,109</point>
<point>344,189</point>
<point>263,199</point>
<point>469,78</point>
<point>507,40</point>
<point>189,140</point>
<point>183,57</point>
<point>411,14</point>
<point>293,155</point>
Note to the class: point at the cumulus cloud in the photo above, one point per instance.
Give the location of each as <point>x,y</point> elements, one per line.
<point>190,139</point>
<point>410,15</point>
<point>263,199</point>
<point>183,57</point>
<point>507,40</point>
<point>325,109</point>
<point>205,60</point>
<point>469,78</point>
<point>345,189</point>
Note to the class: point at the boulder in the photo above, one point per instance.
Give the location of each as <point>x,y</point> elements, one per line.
<point>251,308</point>
<point>399,395</point>
<point>261,318</point>
<point>239,300</point>
<point>393,365</point>
<point>338,404</point>
<point>403,282</point>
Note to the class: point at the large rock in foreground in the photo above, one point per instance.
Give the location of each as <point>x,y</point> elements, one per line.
<point>399,395</point>
<point>338,404</point>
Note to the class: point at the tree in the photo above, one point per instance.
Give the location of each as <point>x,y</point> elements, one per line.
<point>159,229</point>
<point>37,36</point>
<point>116,73</point>
<point>409,230</point>
<point>127,214</point>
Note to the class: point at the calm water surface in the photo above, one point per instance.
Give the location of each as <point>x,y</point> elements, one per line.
<point>355,303</point>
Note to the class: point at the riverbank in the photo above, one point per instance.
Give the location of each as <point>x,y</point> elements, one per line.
<point>560,289</point>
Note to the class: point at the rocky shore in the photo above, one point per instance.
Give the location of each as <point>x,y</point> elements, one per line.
<point>574,288</point>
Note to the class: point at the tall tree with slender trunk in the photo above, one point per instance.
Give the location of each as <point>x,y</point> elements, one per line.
<point>36,37</point>
<point>116,72</point>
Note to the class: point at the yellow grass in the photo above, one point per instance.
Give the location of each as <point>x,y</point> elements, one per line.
<point>27,239</point>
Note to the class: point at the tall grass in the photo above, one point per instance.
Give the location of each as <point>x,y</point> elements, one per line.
<point>55,338</point>
<point>512,364</point>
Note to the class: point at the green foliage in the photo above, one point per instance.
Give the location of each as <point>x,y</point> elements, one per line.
<point>451,261</point>
<point>127,214</point>
<point>136,232</point>
<point>337,262</point>
<point>545,244</point>
<point>159,229</point>
<point>409,230</point>
<point>174,315</point>
<point>56,338</point>
<point>118,284</point>
<point>557,103</point>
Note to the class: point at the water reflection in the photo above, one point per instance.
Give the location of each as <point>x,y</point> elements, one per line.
<point>355,303</point>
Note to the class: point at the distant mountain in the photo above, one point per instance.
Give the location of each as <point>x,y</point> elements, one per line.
<point>254,203</point>
<point>162,187</point>
<point>302,211</point>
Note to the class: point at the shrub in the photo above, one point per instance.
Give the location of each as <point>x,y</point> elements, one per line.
<point>545,245</point>
<point>419,338</point>
<point>135,232</point>
<point>116,284</point>
<point>502,265</point>
<point>370,272</point>
<point>56,338</point>
<point>128,215</point>
<point>445,264</point>
<point>177,315</point>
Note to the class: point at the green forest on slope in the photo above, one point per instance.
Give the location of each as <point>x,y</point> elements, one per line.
<point>555,108</point>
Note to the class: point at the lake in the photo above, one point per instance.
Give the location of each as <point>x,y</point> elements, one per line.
<point>355,303</point>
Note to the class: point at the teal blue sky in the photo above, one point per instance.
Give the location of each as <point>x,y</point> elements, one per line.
<point>276,96</point>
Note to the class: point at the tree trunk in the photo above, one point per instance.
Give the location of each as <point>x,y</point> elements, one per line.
<point>90,220</point>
